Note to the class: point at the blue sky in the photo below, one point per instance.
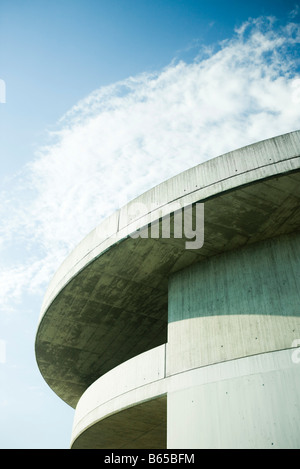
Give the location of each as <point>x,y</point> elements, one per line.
<point>103,100</point>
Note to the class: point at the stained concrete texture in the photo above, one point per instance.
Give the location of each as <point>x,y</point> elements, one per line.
<point>241,303</point>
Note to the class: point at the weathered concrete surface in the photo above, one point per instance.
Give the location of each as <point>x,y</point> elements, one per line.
<point>108,301</point>
<point>248,403</point>
<point>243,302</point>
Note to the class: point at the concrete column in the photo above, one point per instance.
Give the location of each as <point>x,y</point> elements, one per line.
<point>237,316</point>
<point>250,403</point>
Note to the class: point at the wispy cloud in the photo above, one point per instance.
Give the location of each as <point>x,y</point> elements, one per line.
<point>122,139</point>
<point>295,12</point>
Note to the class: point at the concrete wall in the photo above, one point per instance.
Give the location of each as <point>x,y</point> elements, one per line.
<point>242,303</point>
<point>248,403</point>
<point>234,305</point>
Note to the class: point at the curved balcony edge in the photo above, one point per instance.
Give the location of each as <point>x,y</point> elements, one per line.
<point>127,407</point>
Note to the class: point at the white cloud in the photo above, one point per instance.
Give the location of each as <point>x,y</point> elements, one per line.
<point>122,139</point>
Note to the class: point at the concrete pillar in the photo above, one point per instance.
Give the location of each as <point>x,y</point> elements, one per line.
<point>235,318</point>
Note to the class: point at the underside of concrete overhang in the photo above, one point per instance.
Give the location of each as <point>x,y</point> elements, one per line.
<point>143,426</point>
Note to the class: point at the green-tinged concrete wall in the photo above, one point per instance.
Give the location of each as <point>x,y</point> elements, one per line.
<point>247,403</point>
<point>237,313</point>
<point>236,304</point>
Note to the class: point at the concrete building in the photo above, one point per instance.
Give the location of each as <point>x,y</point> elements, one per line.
<point>161,344</point>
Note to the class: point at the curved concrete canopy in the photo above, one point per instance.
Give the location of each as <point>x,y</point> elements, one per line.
<point>108,301</point>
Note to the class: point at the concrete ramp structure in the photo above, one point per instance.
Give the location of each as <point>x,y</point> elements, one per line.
<point>162,340</point>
